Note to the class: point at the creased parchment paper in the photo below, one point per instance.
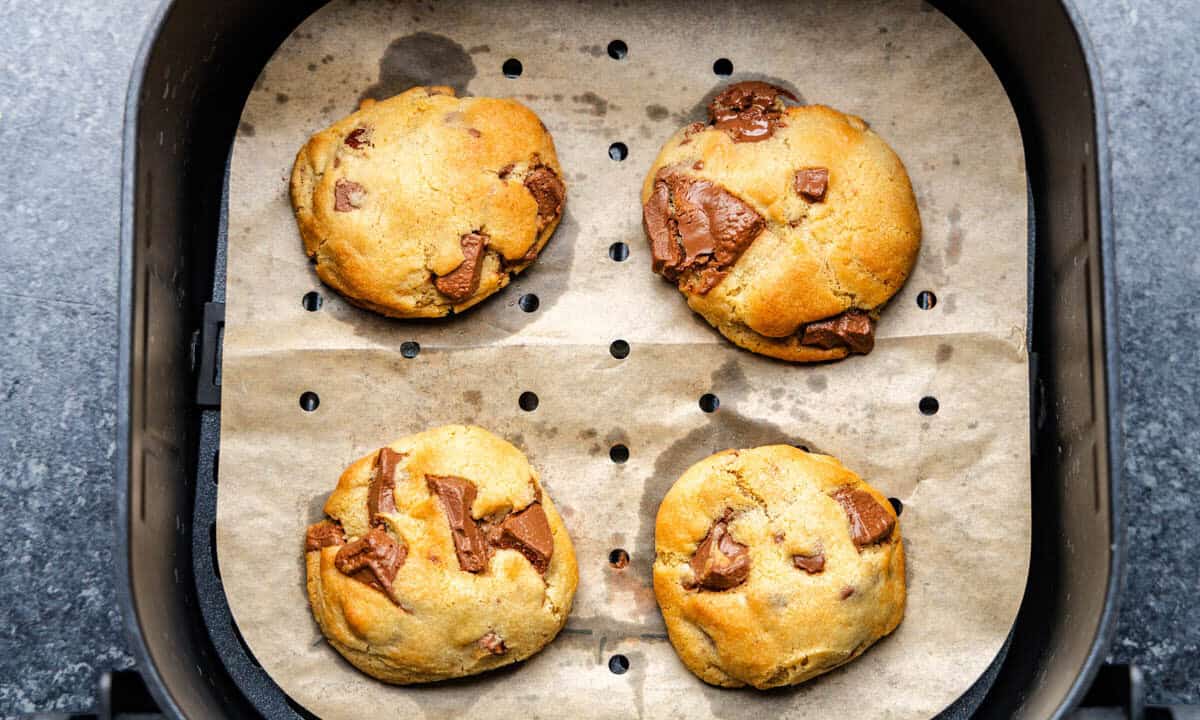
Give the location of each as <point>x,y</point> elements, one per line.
<point>962,474</point>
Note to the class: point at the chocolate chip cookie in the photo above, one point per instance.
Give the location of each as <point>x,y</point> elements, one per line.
<point>424,204</point>
<point>775,565</point>
<point>440,556</point>
<point>786,227</point>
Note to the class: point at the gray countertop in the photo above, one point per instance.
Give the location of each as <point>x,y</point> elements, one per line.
<point>63,75</point>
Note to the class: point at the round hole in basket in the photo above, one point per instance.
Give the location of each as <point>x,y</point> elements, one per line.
<point>312,301</point>
<point>618,251</point>
<point>723,67</point>
<point>618,558</point>
<point>410,349</point>
<point>511,68</point>
<point>928,405</point>
<point>309,401</point>
<point>618,664</point>
<point>926,299</point>
<point>897,505</point>
<point>617,49</point>
<point>618,453</point>
<point>528,401</point>
<point>618,151</point>
<point>709,402</point>
<point>528,302</point>
<point>619,349</point>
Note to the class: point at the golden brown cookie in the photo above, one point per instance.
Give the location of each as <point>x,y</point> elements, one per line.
<point>775,565</point>
<point>441,556</point>
<point>425,204</point>
<point>787,228</point>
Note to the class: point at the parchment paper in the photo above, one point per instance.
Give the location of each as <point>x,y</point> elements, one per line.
<point>962,474</point>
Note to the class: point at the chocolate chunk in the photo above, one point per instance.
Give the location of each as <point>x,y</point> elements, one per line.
<point>853,329</point>
<point>549,192</point>
<point>691,130</point>
<point>846,592</point>
<point>381,495</point>
<point>869,521</point>
<point>694,224</point>
<point>359,137</point>
<point>374,560</point>
<point>474,133</point>
<point>462,282</point>
<point>348,195</point>
<point>506,171</point>
<point>748,111</point>
<point>811,564</point>
<point>720,561</point>
<point>322,535</point>
<point>457,496</point>
<point>527,532</point>
<point>811,183</point>
<point>493,644</point>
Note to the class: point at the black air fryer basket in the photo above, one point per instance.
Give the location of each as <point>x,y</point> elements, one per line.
<point>177,144</point>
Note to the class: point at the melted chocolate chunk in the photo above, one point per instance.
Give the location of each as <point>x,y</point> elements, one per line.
<point>870,522</point>
<point>527,532</point>
<point>493,644</point>
<point>457,495</point>
<point>811,564</point>
<point>749,111</point>
<point>506,171</point>
<point>348,195</point>
<point>359,137</point>
<point>549,192</point>
<point>696,225</point>
<point>853,329</point>
<point>720,562</point>
<point>324,534</point>
<point>381,495</point>
<point>462,282</point>
<point>811,183</point>
<point>374,560</point>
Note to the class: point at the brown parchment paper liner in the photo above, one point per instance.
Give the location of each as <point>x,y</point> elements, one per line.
<point>963,474</point>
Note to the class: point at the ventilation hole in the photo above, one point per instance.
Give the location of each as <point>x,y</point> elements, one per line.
<point>529,303</point>
<point>926,299</point>
<point>617,49</point>
<point>309,401</point>
<point>212,547</point>
<point>511,68</point>
<point>618,664</point>
<point>618,251</point>
<point>528,401</point>
<point>312,301</point>
<point>245,648</point>
<point>618,558</point>
<point>618,151</point>
<point>897,505</point>
<point>723,67</point>
<point>709,402</point>
<point>619,349</point>
<point>618,453</point>
<point>928,405</point>
<point>410,349</point>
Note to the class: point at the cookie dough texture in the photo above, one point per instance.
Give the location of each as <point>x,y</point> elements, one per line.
<point>436,619</point>
<point>774,217</point>
<point>774,565</point>
<point>425,203</point>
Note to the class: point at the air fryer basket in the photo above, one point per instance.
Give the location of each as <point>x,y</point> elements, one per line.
<point>191,79</point>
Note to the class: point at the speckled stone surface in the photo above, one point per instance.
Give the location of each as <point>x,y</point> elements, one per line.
<point>63,74</point>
